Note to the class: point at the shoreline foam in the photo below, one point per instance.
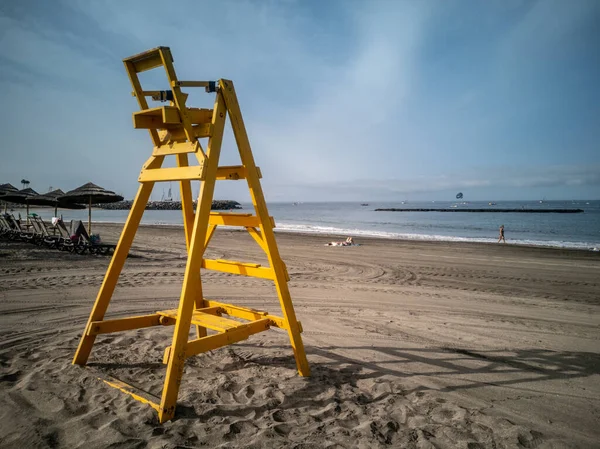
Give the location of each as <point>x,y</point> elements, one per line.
<point>333,232</point>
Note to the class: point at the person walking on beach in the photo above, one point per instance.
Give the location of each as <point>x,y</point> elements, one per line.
<point>501,237</point>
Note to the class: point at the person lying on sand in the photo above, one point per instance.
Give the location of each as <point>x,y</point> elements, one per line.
<point>348,242</point>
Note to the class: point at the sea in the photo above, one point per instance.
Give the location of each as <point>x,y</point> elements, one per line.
<point>343,219</point>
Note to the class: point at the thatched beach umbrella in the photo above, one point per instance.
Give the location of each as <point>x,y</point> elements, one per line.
<point>7,188</point>
<point>52,199</point>
<point>20,197</point>
<point>4,190</point>
<point>90,194</point>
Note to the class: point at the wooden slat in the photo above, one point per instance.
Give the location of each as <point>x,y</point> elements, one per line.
<point>207,320</point>
<point>238,268</point>
<point>216,341</point>
<point>233,173</point>
<point>147,60</point>
<point>176,148</point>
<point>178,135</point>
<point>170,115</point>
<point>191,83</point>
<point>148,93</point>
<point>247,313</point>
<point>131,391</point>
<point>123,324</point>
<point>227,219</point>
<point>148,63</point>
<point>195,172</point>
<point>200,116</point>
<point>165,117</point>
<point>238,263</point>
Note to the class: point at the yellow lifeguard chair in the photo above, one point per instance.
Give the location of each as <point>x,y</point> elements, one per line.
<point>175,130</point>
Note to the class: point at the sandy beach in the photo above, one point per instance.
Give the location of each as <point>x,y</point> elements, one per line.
<point>411,344</point>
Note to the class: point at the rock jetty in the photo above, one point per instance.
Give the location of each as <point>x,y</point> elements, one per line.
<point>525,211</point>
<point>169,205</point>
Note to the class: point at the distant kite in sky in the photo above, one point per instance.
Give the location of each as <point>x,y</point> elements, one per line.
<point>459,195</point>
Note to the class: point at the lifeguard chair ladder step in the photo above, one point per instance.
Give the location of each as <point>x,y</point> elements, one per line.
<point>175,130</point>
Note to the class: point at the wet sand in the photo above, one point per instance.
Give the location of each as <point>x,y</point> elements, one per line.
<point>411,344</point>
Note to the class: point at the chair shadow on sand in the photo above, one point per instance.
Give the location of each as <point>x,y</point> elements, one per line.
<point>538,364</point>
<point>336,371</point>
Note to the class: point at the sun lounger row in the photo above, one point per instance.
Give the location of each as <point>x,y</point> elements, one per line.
<point>75,239</point>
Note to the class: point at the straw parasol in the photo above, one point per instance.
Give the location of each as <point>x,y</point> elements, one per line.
<point>90,194</point>
<point>52,199</point>
<point>20,197</point>
<point>5,189</point>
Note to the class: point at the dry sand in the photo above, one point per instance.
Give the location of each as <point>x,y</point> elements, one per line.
<point>411,344</point>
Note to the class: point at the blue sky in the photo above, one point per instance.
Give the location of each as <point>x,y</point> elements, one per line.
<point>343,100</point>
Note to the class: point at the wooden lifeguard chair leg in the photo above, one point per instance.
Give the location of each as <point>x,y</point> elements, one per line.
<point>116,265</point>
<point>192,271</point>
<point>187,208</point>
<point>258,199</point>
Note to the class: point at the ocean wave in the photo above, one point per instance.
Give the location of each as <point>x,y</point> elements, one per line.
<point>328,230</point>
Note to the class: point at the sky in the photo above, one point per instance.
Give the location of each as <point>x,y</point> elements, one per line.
<point>342,100</point>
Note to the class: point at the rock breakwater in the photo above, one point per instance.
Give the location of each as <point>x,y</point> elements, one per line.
<point>169,205</point>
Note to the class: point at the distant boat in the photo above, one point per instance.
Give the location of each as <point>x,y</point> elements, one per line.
<point>491,203</point>
<point>364,204</point>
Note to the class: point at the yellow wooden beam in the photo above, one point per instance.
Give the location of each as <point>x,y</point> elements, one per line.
<point>176,148</point>
<point>238,268</point>
<point>123,324</point>
<point>208,320</point>
<point>216,341</point>
<point>185,187</point>
<point>190,83</point>
<point>195,172</point>
<point>147,60</point>
<point>234,172</point>
<point>178,134</point>
<point>131,391</point>
<point>230,219</point>
<point>169,117</point>
<point>247,313</point>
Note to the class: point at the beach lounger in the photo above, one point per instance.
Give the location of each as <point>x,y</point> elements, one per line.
<point>12,229</point>
<point>64,243</point>
<point>85,242</point>
<point>43,236</point>
<point>38,236</point>
<point>6,230</point>
<point>77,239</point>
<point>17,232</point>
